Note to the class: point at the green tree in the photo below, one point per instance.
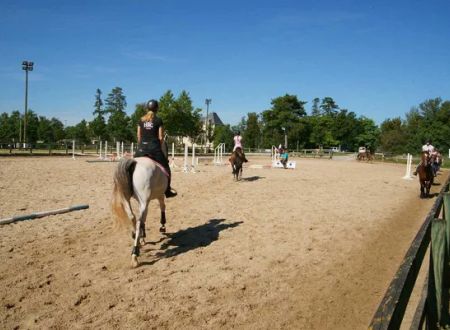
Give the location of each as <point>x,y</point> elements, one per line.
<point>32,126</point>
<point>322,132</point>
<point>345,129</point>
<point>328,106</point>
<point>315,110</point>
<point>223,134</point>
<point>252,132</point>
<point>118,126</point>
<point>9,127</point>
<point>435,120</point>
<point>286,112</point>
<point>44,131</point>
<point>57,129</point>
<point>413,131</point>
<point>82,131</point>
<point>368,133</point>
<point>392,136</point>
<point>179,116</point>
<point>98,124</point>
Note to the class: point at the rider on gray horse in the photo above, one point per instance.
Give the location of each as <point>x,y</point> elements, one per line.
<point>150,135</point>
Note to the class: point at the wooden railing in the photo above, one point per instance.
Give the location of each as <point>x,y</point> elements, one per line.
<point>432,310</point>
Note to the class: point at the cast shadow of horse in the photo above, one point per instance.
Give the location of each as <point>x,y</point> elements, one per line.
<point>253,178</point>
<point>190,239</point>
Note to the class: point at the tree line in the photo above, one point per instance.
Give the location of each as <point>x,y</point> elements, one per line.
<point>326,125</point>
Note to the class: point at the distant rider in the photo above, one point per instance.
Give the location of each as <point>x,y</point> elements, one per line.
<point>238,144</point>
<point>284,156</point>
<point>427,147</point>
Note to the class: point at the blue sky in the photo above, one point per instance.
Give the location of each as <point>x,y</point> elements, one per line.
<point>376,58</point>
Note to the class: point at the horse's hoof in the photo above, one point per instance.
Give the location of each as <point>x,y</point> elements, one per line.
<point>162,229</point>
<point>134,261</point>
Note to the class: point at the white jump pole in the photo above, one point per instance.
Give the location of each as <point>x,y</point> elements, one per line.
<point>193,158</point>
<point>106,150</point>
<point>121,154</point>
<point>132,149</point>
<point>218,153</point>
<point>185,165</point>
<point>73,149</point>
<point>38,215</point>
<point>408,168</point>
<point>172,161</point>
<point>100,153</point>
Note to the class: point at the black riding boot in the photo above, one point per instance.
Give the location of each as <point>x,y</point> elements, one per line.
<point>169,192</point>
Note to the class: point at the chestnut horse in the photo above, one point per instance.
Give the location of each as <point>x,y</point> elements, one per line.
<point>426,176</point>
<point>236,160</point>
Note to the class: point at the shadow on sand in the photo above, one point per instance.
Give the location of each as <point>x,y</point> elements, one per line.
<point>189,239</point>
<point>252,178</point>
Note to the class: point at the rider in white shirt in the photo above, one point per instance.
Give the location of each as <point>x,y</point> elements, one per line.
<point>238,144</point>
<point>427,147</point>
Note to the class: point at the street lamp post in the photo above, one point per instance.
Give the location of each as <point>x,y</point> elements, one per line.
<point>207,102</point>
<point>285,137</point>
<point>27,66</point>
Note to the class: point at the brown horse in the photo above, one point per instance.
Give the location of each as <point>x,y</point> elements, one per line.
<point>426,176</point>
<point>237,159</point>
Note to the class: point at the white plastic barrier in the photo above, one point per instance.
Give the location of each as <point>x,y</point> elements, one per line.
<point>290,164</point>
<point>186,167</point>
<point>119,154</point>
<point>408,175</point>
<point>100,151</point>
<point>185,164</point>
<point>172,160</point>
<point>275,154</point>
<point>218,154</point>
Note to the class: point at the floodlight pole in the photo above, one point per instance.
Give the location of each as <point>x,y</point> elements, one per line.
<point>27,66</point>
<point>207,102</point>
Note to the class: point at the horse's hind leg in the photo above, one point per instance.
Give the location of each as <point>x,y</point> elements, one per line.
<point>162,206</point>
<point>140,228</point>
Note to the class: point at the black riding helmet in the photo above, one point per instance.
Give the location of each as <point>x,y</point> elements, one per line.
<point>152,105</point>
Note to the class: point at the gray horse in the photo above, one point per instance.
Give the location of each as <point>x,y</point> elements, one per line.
<point>144,180</point>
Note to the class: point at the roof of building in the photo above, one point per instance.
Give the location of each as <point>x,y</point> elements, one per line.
<point>213,118</point>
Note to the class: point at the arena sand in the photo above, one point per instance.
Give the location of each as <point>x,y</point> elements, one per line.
<point>311,248</point>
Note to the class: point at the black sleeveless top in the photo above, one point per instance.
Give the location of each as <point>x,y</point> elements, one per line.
<point>150,132</point>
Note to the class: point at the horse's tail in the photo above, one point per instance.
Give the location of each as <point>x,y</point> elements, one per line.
<point>123,190</point>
